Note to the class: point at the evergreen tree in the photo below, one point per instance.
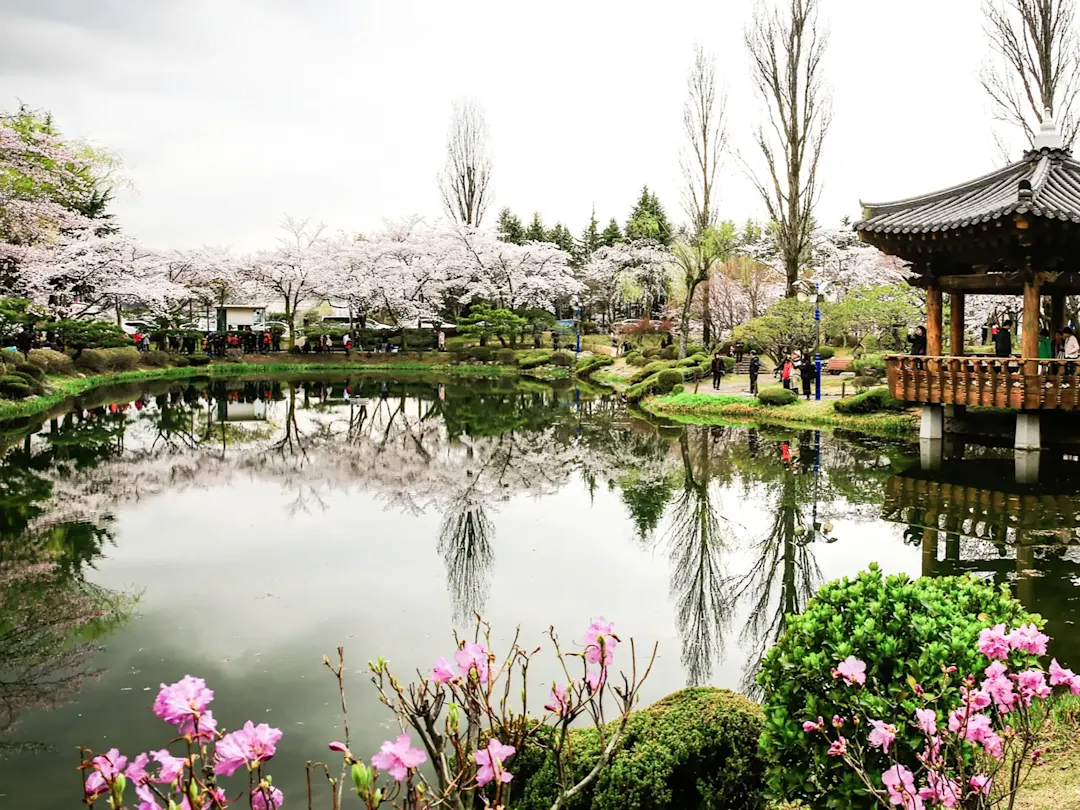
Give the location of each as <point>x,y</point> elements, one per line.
<point>611,234</point>
<point>590,240</point>
<point>648,220</point>
<point>536,232</point>
<point>510,228</point>
<point>561,236</point>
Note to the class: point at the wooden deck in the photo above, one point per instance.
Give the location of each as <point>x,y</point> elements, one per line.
<point>1025,384</point>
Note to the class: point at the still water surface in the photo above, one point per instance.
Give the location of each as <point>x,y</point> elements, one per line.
<point>241,530</point>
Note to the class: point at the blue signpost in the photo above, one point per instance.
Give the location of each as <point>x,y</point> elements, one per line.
<point>577,321</point>
<point>817,340</point>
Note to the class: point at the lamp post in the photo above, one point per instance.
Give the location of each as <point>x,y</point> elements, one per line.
<point>577,323</point>
<point>817,339</point>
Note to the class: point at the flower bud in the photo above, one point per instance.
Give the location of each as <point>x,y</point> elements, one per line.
<point>454,716</point>
<point>377,798</point>
<point>119,783</point>
<point>361,777</point>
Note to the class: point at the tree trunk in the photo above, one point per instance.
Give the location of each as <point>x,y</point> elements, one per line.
<point>289,320</point>
<point>706,317</point>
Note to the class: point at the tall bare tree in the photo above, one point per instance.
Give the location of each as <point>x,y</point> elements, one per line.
<point>465,181</point>
<point>786,49</point>
<point>705,126</point>
<point>1034,64</point>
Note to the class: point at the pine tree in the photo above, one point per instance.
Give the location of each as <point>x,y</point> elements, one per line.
<point>510,228</point>
<point>590,239</point>
<point>648,220</point>
<point>561,236</point>
<point>611,234</point>
<point>536,232</point>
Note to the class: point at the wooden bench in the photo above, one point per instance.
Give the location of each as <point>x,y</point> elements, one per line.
<point>836,365</point>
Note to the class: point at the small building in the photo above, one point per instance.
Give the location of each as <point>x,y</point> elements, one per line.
<point>240,316</point>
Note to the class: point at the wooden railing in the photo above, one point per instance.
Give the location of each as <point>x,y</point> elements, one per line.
<point>995,382</point>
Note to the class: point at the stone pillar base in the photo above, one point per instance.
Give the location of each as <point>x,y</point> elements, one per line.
<point>1028,435</point>
<point>933,422</point>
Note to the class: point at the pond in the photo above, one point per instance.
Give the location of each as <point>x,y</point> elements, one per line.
<point>239,530</point>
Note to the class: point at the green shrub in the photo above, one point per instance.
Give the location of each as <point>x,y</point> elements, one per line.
<point>777,397</point>
<point>481,353</point>
<point>652,352</point>
<point>668,379</point>
<point>180,360</point>
<point>864,383</point>
<point>635,359</point>
<point>644,373</point>
<point>534,358</point>
<point>102,360</point>
<point>645,388</point>
<point>506,357</point>
<point>729,364</point>
<point>51,362</point>
<point>695,348</point>
<point>199,360</point>
<point>563,359</point>
<point>686,361</point>
<point>588,366</point>
<point>12,387</point>
<point>902,630</point>
<point>678,389</point>
<point>155,359</point>
<point>11,357</point>
<point>872,401</point>
<point>30,381</point>
<point>31,371</point>
<point>700,357</point>
<point>827,352</point>
<point>872,365</point>
<point>668,352</point>
<point>696,749</point>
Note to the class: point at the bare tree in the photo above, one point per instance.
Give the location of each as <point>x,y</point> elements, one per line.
<point>1034,64</point>
<point>786,54</point>
<point>465,182</point>
<point>705,125</point>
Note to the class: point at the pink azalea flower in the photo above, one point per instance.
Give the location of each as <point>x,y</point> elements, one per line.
<point>557,700</point>
<point>883,735</point>
<point>999,687</point>
<point>470,657</point>
<point>136,771</point>
<point>186,698</point>
<point>267,798</point>
<point>837,721</point>
<point>1032,685</point>
<point>927,719</point>
<point>852,670</point>
<point>601,633</point>
<point>247,746</point>
<point>171,767</point>
<point>443,672</point>
<point>1028,639</point>
<point>994,642</point>
<point>398,757</point>
<point>980,784</point>
<point>491,761</point>
<point>147,799</point>
<point>900,783</point>
<point>596,678</point>
<point>975,698</point>
<point>95,785</point>
<point>200,727</point>
<point>940,790</point>
<point>810,725</point>
<point>110,765</point>
<point>838,748</point>
<point>1064,677</point>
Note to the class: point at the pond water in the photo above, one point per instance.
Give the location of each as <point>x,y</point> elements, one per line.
<point>241,530</point>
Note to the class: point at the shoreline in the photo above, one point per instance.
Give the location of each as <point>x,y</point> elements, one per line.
<point>65,388</point>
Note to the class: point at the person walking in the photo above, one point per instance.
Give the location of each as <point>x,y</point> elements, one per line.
<point>1003,340</point>
<point>717,371</point>
<point>441,341</point>
<point>807,371</point>
<point>754,369</point>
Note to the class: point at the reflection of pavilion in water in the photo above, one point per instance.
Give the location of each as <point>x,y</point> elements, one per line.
<point>974,516</point>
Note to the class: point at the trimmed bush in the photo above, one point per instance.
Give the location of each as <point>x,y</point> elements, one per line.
<point>678,389</point>
<point>199,360</point>
<point>872,365</point>
<point>180,360</point>
<point>51,362</point>
<point>643,374</point>
<point>652,352</point>
<point>906,632</point>
<point>669,352</point>
<point>872,401</point>
<point>155,359</point>
<point>534,358</point>
<point>827,352</point>
<point>695,749</point>
<point>506,357</point>
<point>587,366</point>
<point>635,359</point>
<point>30,371</point>
<point>101,360</point>
<point>778,397</point>
<point>645,388</point>
<point>668,379</point>
<point>481,353</point>
<point>12,387</point>
<point>864,383</point>
<point>729,364</point>
<point>563,359</point>
<point>699,357</point>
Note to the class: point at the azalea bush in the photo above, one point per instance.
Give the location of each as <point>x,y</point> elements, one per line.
<point>469,718</point>
<point>903,630</point>
<point>973,753</point>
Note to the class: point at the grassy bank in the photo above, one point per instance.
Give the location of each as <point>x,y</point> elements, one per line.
<point>63,388</point>
<point>692,408</point>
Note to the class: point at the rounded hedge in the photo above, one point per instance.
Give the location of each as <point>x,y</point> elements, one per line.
<point>668,352</point>
<point>827,352</point>
<point>872,401</point>
<point>864,383</point>
<point>481,353</point>
<point>644,373</point>
<point>51,362</point>
<point>635,359</point>
<point>562,358</point>
<point>668,379</point>
<point>199,360</point>
<point>697,748</point>
<point>12,387</point>
<point>534,359</point>
<point>31,371</point>
<point>901,629</point>
<point>777,397</point>
<point>506,357</point>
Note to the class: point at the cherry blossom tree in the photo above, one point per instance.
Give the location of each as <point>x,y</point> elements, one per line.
<point>843,262</point>
<point>413,262</point>
<point>354,279</point>
<point>626,273</point>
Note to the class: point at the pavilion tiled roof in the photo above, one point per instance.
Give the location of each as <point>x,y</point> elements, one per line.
<point>1054,179</point>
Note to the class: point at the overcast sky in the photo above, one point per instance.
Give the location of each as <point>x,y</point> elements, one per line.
<point>229,114</point>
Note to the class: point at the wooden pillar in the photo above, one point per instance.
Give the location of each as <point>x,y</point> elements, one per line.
<point>1029,343</point>
<point>933,321</point>
<point>1057,312</point>
<point>956,326</point>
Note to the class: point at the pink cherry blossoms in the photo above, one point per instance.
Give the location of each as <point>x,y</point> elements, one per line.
<point>398,757</point>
